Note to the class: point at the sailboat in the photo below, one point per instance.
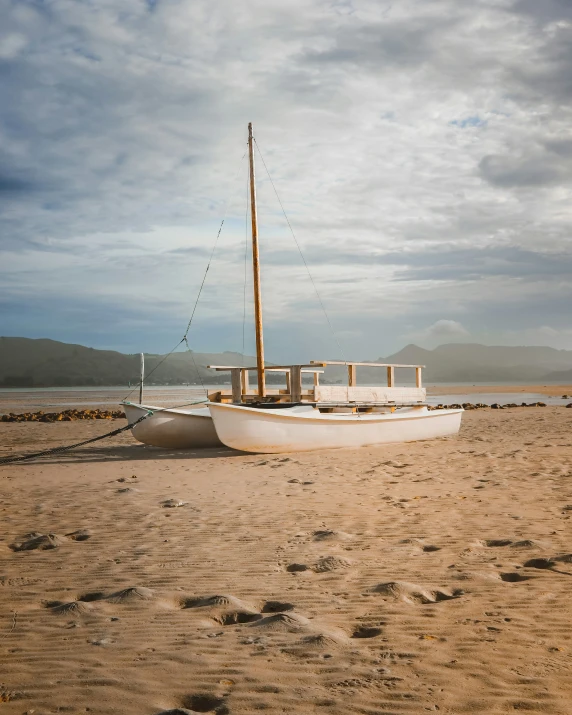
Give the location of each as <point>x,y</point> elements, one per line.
<point>322,416</point>
<point>299,417</point>
<point>172,427</point>
<point>184,427</point>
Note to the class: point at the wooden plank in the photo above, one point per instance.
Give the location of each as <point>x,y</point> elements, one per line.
<point>236,384</point>
<point>418,382</point>
<point>244,381</point>
<point>352,375</point>
<point>277,368</point>
<point>390,376</point>
<point>296,383</point>
<point>324,363</point>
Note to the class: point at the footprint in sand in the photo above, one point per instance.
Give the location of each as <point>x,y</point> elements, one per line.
<point>218,601</point>
<point>172,503</point>
<point>205,703</point>
<point>91,596</point>
<point>330,535</point>
<point>233,618</point>
<point>69,608</point>
<point>284,622</point>
<point>492,543</point>
<point>324,640</point>
<point>201,703</point>
<point>277,607</point>
<point>322,565</point>
<point>513,577</point>
<point>331,563</point>
<point>418,544</point>
<point>366,632</point>
<point>526,544</point>
<point>549,563</point>
<point>309,632</point>
<point>500,543</point>
<point>132,594</point>
<point>223,610</point>
<point>44,542</point>
<point>35,540</point>
<point>79,535</point>
<point>414,594</point>
<point>540,563</point>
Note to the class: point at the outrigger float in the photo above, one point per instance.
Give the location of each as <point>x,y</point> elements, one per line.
<point>299,417</point>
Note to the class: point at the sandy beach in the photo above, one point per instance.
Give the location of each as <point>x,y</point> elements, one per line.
<point>398,580</point>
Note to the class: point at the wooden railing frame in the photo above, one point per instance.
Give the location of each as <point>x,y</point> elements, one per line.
<point>240,389</point>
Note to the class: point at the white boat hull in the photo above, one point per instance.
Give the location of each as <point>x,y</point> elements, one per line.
<point>173,428</point>
<point>306,428</point>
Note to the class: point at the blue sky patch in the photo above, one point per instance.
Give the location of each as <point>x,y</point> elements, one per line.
<point>474,121</point>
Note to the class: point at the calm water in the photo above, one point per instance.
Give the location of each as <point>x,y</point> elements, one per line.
<point>60,398</point>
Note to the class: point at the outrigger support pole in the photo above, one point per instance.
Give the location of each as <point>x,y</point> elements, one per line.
<point>142,356</point>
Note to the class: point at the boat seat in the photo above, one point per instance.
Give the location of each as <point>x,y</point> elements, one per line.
<point>379,395</point>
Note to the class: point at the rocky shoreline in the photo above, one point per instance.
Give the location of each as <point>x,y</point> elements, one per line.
<point>483,406</point>
<point>98,414</point>
<point>64,416</point>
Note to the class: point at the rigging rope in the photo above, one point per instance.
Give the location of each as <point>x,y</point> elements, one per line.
<point>65,448</point>
<point>59,450</point>
<point>195,365</point>
<point>156,366</point>
<point>185,336</point>
<point>302,257</point>
<point>227,206</point>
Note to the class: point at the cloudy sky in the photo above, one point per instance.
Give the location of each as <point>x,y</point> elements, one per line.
<point>422,150</point>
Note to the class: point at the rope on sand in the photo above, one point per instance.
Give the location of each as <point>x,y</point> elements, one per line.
<point>65,448</point>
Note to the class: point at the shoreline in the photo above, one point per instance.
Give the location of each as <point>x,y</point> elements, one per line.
<point>51,400</point>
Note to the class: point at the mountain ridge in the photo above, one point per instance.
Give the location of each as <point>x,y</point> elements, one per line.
<point>473,362</point>
<point>42,362</point>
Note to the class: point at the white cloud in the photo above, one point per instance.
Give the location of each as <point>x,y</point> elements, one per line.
<point>431,130</point>
<point>541,335</point>
<point>11,45</point>
<point>441,331</point>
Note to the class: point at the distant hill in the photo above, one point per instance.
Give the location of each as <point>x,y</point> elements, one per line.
<point>47,363</point>
<point>471,362</point>
<point>562,376</point>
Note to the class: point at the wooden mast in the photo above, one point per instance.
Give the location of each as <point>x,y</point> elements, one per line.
<point>256,270</point>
